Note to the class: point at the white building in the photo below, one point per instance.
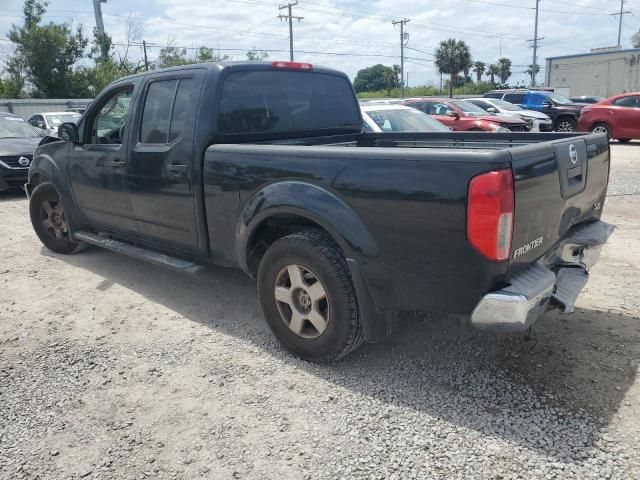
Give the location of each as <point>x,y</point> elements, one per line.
<point>603,72</point>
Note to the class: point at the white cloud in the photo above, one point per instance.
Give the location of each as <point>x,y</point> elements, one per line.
<point>359,29</point>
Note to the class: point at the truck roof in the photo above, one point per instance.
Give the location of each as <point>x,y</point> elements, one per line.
<point>219,66</point>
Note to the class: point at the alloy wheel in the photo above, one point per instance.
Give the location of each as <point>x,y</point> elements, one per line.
<point>302,301</point>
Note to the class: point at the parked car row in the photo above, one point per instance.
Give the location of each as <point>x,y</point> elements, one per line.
<point>511,111</point>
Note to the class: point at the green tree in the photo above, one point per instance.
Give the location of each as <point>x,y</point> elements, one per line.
<point>504,69</point>
<point>257,56</point>
<point>493,72</point>
<point>452,57</point>
<point>377,77</point>
<point>172,56</point>
<point>44,55</point>
<point>478,68</point>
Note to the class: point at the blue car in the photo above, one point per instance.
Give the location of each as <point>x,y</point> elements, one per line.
<point>563,112</point>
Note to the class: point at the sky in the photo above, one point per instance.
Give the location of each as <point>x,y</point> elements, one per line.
<point>349,35</point>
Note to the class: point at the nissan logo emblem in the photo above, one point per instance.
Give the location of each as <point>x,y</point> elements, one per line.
<point>24,161</point>
<point>573,154</point>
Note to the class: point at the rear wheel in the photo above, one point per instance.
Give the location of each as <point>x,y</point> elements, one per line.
<point>308,298</point>
<point>566,124</point>
<point>49,220</point>
<point>624,140</point>
<point>601,128</point>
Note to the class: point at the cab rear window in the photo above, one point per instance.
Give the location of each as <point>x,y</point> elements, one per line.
<point>279,101</point>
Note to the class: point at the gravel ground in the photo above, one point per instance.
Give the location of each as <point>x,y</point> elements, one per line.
<point>112,368</point>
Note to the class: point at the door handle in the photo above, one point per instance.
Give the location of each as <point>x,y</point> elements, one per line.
<point>117,163</point>
<point>177,168</point>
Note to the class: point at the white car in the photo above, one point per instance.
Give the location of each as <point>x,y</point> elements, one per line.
<point>48,122</point>
<point>539,121</point>
<point>384,117</point>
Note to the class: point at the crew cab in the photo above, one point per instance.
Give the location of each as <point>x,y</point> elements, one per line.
<point>463,116</point>
<point>562,111</point>
<point>264,167</point>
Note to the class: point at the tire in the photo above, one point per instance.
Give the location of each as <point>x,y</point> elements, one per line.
<point>601,128</point>
<point>565,124</point>
<point>624,140</point>
<point>49,220</point>
<point>290,270</point>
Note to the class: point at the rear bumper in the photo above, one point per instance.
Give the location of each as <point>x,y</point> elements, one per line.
<point>558,277</point>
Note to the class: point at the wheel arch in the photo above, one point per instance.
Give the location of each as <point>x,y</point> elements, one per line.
<point>285,207</point>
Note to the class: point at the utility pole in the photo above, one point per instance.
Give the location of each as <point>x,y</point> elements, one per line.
<point>534,64</point>
<point>622,12</point>
<point>97,10</point>
<point>404,37</point>
<point>146,63</point>
<point>407,79</point>
<point>290,17</point>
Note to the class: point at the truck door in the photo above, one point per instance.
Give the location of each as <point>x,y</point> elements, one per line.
<point>161,173</point>
<point>98,165</point>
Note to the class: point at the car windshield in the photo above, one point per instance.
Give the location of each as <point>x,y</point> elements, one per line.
<point>14,127</point>
<point>469,108</point>
<point>502,105</point>
<point>56,119</point>
<point>557,98</point>
<point>405,120</point>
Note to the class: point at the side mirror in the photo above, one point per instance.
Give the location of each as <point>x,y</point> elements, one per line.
<point>492,110</point>
<point>546,103</point>
<point>454,114</point>
<point>68,132</point>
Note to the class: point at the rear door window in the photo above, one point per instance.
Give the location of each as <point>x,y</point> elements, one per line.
<point>516,98</point>
<point>157,112</point>
<point>279,101</point>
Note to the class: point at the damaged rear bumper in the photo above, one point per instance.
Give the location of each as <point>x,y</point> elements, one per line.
<point>558,277</point>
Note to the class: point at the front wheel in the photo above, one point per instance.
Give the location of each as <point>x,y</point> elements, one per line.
<point>308,297</point>
<point>566,124</point>
<point>49,219</point>
<point>601,128</point>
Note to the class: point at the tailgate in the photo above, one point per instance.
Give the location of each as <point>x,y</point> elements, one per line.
<point>557,184</point>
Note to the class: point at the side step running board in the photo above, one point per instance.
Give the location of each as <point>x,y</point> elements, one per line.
<point>150,256</point>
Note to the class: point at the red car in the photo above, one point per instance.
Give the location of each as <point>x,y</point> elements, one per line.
<point>618,117</point>
<point>465,116</point>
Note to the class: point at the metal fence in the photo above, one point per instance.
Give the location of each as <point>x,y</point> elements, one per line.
<point>26,107</point>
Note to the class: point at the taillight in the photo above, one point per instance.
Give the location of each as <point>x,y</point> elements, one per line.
<point>490,214</point>
<point>292,65</point>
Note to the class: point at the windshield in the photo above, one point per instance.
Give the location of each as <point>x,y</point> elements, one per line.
<point>14,127</point>
<point>502,105</point>
<point>59,118</point>
<point>469,108</point>
<point>405,120</point>
<point>557,98</point>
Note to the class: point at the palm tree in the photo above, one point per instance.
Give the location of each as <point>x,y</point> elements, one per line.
<point>504,69</point>
<point>532,71</point>
<point>478,68</point>
<point>493,72</point>
<point>452,57</point>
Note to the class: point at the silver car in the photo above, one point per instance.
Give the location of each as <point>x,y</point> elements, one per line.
<point>48,122</point>
<point>539,121</point>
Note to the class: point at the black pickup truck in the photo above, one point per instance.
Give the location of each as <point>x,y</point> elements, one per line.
<point>264,166</point>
